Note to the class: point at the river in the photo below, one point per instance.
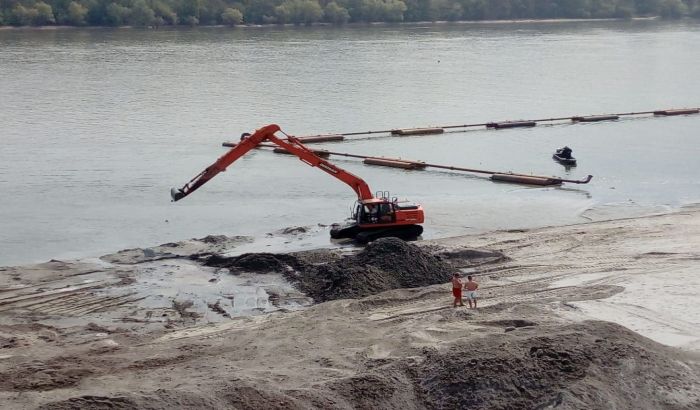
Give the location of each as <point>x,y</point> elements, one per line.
<point>96,125</point>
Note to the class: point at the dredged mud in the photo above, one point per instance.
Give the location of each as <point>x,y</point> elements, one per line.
<point>385,264</point>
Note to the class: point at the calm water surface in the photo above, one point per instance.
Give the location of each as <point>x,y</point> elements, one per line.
<point>97,125</point>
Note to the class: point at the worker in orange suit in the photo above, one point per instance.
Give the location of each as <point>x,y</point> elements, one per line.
<point>457,290</point>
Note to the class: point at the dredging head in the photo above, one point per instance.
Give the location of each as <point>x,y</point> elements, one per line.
<point>176,194</point>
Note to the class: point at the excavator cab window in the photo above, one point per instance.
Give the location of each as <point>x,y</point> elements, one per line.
<point>376,213</point>
<point>386,213</point>
<point>370,214</point>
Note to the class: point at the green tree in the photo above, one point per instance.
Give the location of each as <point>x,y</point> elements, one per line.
<point>232,17</point>
<point>444,10</point>
<point>694,13</point>
<point>574,8</point>
<point>141,14</point>
<point>371,10</point>
<point>648,7</point>
<point>672,9</point>
<point>96,15</point>
<point>211,11</point>
<point>260,11</point>
<point>299,12</point>
<point>393,10</point>
<point>191,21</point>
<point>500,9</point>
<point>44,14</point>
<point>474,9</point>
<point>194,12</point>
<point>602,8</point>
<point>164,11</point>
<point>19,16</point>
<point>190,8</point>
<point>336,14</point>
<point>116,15</point>
<point>76,13</point>
<point>623,11</point>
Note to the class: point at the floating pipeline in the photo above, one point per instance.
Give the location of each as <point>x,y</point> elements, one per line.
<point>419,165</point>
<point>499,124</point>
<point>684,111</point>
<point>495,176</point>
<point>526,180</point>
<point>417,131</point>
<point>511,124</point>
<point>321,138</point>
<point>394,163</point>
<point>595,118</point>
<point>319,152</point>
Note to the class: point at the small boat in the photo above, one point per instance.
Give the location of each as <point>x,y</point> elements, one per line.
<point>563,156</point>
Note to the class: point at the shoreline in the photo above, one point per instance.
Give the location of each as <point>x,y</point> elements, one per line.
<point>316,237</point>
<point>352,25</point>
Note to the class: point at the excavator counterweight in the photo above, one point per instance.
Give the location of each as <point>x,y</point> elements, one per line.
<point>372,218</point>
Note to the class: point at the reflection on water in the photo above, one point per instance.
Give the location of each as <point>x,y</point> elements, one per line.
<point>98,124</point>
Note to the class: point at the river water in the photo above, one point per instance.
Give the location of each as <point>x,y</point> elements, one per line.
<point>96,125</point>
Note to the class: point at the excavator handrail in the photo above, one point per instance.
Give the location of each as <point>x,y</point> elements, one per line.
<point>291,144</point>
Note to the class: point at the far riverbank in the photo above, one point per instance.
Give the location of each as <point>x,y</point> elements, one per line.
<point>355,24</point>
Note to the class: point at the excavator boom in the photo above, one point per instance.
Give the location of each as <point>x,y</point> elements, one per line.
<point>291,144</point>
<point>373,218</point>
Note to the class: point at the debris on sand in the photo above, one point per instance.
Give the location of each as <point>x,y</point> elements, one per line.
<point>463,258</point>
<point>216,307</point>
<point>508,323</point>
<point>39,375</point>
<point>254,262</point>
<point>181,308</point>
<point>294,230</point>
<point>8,342</point>
<point>208,244</point>
<point>213,239</point>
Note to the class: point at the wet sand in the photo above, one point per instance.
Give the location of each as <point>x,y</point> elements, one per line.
<point>595,315</point>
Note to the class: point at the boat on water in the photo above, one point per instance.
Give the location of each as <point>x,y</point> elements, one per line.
<point>563,156</point>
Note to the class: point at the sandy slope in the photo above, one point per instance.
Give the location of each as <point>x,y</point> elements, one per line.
<point>113,333</point>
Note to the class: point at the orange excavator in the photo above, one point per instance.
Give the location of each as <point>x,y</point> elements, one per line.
<point>373,216</point>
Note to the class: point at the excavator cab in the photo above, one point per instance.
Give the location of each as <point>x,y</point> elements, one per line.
<point>378,210</point>
<point>375,212</point>
<point>381,217</point>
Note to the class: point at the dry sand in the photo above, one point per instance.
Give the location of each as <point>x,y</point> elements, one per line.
<point>186,325</point>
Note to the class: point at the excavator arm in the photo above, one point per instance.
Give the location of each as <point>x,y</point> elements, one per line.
<point>291,144</point>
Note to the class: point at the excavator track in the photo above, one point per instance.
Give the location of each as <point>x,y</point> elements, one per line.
<point>363,236</point>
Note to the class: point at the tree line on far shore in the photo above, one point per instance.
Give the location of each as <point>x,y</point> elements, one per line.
<point>154,13</point>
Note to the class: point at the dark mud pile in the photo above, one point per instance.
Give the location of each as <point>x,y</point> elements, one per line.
<point>592,365</point>
<point>388,263</point>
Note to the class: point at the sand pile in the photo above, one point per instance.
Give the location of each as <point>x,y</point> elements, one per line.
<point>590,365</point>
<point>388,263</point>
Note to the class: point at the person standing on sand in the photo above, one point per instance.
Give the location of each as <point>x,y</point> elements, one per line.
<point>457,290</point>
<point>471,288</point>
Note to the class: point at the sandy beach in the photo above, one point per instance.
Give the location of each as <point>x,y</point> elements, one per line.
<point>595,315</point>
